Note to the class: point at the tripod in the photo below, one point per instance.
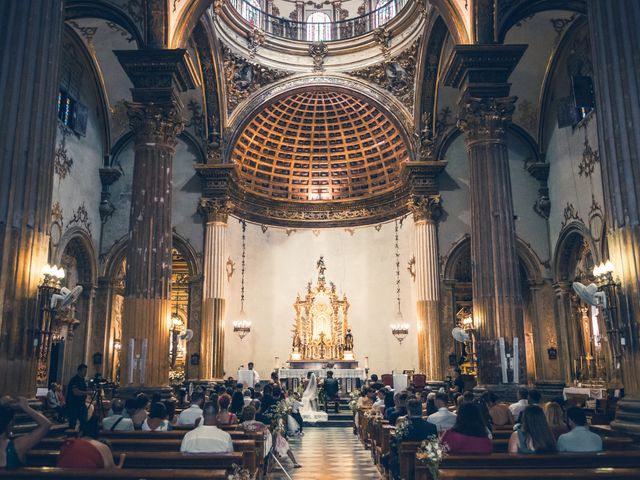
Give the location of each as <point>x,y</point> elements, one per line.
<point>273,456</point>
<point>97,397</point>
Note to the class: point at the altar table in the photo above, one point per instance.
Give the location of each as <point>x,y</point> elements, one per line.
<point>597,393</point>
<point>400,381</point>
<point>349,378</point>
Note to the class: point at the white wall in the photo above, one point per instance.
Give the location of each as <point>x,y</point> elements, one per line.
<point>361,265</point>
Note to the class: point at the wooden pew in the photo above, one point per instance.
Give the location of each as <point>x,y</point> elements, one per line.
<point>500,461</point>
<point>54,473</point>
<point>546,473</point>
<point>501,445</point>
<point>162,460</point>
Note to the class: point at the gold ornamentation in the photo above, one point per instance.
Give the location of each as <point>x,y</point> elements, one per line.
<point>570,214</point>
<point>255,39</point>
<point>426,208</point>
<point>62,162</point>
<point>321,325</point>
<point>289,231</point>
<point>383,37</point>
<point>590,158</point>
<point>214,209</point>
<point>81,217</point>
<point>264,228</point>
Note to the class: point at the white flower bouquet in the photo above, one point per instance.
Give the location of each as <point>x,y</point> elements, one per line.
<point>431,453</point>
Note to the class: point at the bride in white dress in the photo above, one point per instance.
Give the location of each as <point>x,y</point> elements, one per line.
<point>309,410</point>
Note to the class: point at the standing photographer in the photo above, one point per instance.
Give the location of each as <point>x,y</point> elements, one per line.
<point>77,392</point>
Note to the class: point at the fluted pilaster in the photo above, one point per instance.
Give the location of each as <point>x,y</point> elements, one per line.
<point>426,213</point>
<point>615,44</point>
<point>30,41</point>
<point>215,214</point>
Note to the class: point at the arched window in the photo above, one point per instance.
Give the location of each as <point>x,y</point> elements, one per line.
<point>252,12</point>
<point>318,27</point>
<point>385,10</point>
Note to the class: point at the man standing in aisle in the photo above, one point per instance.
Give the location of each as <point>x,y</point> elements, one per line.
<point>77,392</point>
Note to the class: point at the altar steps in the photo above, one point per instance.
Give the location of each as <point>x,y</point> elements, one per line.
<point>344,417</point>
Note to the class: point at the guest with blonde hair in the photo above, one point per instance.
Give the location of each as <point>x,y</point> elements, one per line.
<point>555,419</point>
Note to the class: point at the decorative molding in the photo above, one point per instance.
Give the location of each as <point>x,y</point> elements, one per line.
<point>397,75</point>
<point>590,158</point>
<point>411,267</point>
<point>560,24</point>
<point>596,219</point>
<point>264,228</point>
<point>426,208</point>
<point>383,37</point>
<point>81,218</point>
<point>196,122</point>
<point>255,39</point>
<point>527,115</point>
<point>243,77</point>
<point>289,231</point>
<point>350,231</point>
<point>57,223</point>
<point>62,162</point>
<point>214,209</point>
<point>230,268</point>
<point>119,118</point>
<point>485,119</point>
<point>121,31</point>
<point>156,123</point>
<point>570,214</point>
<point>85,32</point>
<point>318,51</point>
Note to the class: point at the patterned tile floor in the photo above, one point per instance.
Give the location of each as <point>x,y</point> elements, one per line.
<point>331,453</point>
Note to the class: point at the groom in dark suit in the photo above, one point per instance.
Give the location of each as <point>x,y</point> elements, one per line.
<point>331,391</point>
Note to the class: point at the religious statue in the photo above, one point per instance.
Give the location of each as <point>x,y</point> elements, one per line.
<point>348,341</point>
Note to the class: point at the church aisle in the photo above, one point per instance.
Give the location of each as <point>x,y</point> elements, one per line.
<point>333,453</point>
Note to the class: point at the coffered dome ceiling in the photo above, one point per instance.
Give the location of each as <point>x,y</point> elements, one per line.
<point>318,146</point>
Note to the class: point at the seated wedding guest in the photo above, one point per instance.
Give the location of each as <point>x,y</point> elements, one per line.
<point>206,437</point>
<point>249,422</point>
<point>378,405</point>
<point>579,439</point>
<point>87,451</point>
<point>400,410</point>
<point>247,397</point>
<point>431,404</point>
<point>224,416</point>
<point>55,400</point>
<point>521,404</point>
<point>533,435</point>
<point>237,402</point>
<point>192,414</point>
<point>499,412</point>
<point>443,418</point>
<point>468,397</point>
<point>157,420</point>
<point>469,434</point>
<point>389,401</point>
<point>13,451</point>
<point>117,421</point>
<point>419,428</point>
<point>267,398</point>
<point>364,400</point>
<point>534,397</point>
<point>555,419</point>
<point>130,407</point>
<point>140,414</point>
<point>170,405</point>
<point>260,417</point>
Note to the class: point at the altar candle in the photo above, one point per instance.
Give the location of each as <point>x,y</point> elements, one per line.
<point>366,363</point>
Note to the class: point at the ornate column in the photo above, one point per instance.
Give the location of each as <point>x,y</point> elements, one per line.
<point>156,120</point>
<point>426,213</point>
<point>481,72</point>
<point>29,52</point>
<point>615,45</point>
<point>214,214</point>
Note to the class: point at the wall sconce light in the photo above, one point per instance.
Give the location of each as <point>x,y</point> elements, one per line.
<point>97,358</point>
<point>552,352</point>
<point>195,359</point>
<point>52,275</point>
<point>400,331</point>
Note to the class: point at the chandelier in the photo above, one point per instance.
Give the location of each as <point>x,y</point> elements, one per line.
<point>399,328</point>
<point>242,325</point>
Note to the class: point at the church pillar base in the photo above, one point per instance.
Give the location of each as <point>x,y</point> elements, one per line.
<point>131,392</point>
<point>506,392</point>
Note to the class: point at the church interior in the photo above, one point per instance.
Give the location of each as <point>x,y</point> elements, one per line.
<point>424,199</point>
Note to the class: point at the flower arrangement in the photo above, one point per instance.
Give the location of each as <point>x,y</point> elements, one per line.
<point>402,430</point>
<point>176,377</point>
<point>373,414</point>
<point>278,414</point>
<point>431,452</point>
<point>353,399</point>
<point>239,473</point>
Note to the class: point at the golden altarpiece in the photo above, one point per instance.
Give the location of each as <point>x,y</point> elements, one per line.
<point>321,333</point>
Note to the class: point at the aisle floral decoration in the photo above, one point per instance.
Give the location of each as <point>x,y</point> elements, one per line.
<point>239,473</point>
<point>278,414</point>
<point>373,414</point>
<point>353,399</point>
<point>430,453</point>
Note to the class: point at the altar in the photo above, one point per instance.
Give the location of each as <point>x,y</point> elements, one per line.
<point>322,338</point>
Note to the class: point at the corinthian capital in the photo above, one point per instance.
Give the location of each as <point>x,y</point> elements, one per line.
<point>215,209</point>
<point>485,119</point>
<point>426,208</point>
<point>156,123</point>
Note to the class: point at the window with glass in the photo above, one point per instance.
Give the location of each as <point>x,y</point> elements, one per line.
<point>385,10</point>
<point>318,27</point>
<point>252,12</point>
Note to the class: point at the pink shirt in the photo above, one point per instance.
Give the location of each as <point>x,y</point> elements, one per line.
<point>466,444</point>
